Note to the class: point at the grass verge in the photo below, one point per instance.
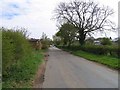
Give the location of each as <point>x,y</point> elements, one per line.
<point>109,61</point>
<point>23,72</point>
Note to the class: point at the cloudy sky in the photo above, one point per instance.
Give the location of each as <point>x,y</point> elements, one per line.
<point>35,15</point>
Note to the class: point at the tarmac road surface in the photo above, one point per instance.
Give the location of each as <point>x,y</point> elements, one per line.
<point>65,70</point>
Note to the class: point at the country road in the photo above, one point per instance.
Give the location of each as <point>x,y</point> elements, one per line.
<point>65,70</point>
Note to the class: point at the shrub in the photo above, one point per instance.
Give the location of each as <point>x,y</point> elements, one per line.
<point>15,47</point>
<point>95,49</point>
<point>44,44</point>
<point>114,50</point>
<point>45,41</point>
<point>106,41</point>
<point>102,50</point>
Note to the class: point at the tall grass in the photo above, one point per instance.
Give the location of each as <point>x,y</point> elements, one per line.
<point>23,72</point>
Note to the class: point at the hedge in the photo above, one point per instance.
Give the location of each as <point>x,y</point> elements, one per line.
<point>15,47</point>
<point>95,49</point>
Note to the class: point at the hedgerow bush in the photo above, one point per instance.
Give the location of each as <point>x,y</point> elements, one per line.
<point>95,49</point>
<point>15,48</point>
<point>106,41</point>
<point>45,41</point>
<point>102,50</point>
<point>44,44</point>
<point>114,50</point>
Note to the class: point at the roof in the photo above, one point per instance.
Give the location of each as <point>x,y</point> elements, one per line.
<point>33,40</point>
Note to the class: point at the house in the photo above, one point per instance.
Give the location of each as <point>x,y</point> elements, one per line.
<point>116,40</point>
<point>36,43</point>
<point>92,40</point>
<point>97,42</point>
<point>103,41</point>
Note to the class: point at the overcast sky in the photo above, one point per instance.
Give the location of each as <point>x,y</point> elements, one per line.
<point>35,15</point>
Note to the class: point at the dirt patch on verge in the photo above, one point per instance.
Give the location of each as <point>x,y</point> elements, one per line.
<point>39,77</point>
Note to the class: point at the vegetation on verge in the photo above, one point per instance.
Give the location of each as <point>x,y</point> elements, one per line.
<point>15,48</point>
<point>19,61</point>
<point>106,60</point>
<point>22,74</point>
<point>95,49</point>
<point>110,61</point>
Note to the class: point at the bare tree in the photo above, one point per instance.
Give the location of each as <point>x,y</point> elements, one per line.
<point>87,17</point>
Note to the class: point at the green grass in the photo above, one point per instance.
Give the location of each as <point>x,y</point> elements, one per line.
<point>109,61</point>
<point>23,73</point>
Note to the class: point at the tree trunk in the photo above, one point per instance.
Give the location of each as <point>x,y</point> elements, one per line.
<point>64,42</point>
<point>69,44</point>
<point>82,36</point>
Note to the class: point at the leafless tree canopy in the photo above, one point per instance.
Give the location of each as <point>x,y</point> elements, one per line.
<point>85,16</point>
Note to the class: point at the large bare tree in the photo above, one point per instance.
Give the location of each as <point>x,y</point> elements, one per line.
<point>87,17</point>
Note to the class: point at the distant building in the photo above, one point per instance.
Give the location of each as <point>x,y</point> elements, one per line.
<point>97,42</point>
<point>116,40</point>
<point>36,43</point>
